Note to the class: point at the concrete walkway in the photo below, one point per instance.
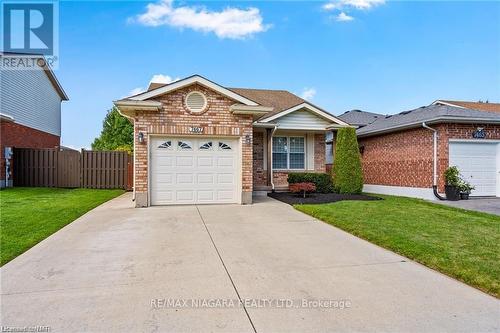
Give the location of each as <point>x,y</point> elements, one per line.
<point>485,205</point>
<point>113,269</point>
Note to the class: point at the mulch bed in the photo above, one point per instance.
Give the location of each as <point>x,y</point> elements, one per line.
<point>317,198</point>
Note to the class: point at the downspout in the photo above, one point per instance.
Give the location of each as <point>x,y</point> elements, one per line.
<point>434,160</point>
<point>271,155</point>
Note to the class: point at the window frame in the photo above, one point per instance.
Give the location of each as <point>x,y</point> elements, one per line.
<point>288,152</point>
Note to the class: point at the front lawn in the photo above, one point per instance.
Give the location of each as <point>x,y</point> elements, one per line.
<point>462,244</point>
<point>29,215</point>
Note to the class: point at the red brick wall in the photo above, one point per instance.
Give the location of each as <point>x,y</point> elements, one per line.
<point>259,172</point>
<point>16,135</point>
<point>319,153</point>
<point>398,159</point>
<point>405,158</point>
<point>175,119</point>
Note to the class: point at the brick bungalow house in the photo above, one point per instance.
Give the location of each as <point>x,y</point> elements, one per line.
<point>199,142</point>
<point>407,153</point>
<point>30,108</point>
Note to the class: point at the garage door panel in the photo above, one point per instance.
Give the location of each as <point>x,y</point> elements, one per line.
<point>206,195</point>
<point>225,178</point>
<point>478,165</point>
<point>200,174</point>
<point>163,178</point>
<point>184,161</point>
<point>163,197</point>
<point>206,178</point>
<point>225,161</point>
<point>205,161</point>
<point>225,195</point>
<point>164,161</point>
<point>185,179</point>
<point>184,195</point>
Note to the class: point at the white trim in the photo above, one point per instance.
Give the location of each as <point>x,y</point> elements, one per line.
<point>403,191</point>
<point>440,102</point>
<point>475,140</point>
<point>6,117</point>
<point>189,81</point>
<point>250,109</point>
<point>309,107</point>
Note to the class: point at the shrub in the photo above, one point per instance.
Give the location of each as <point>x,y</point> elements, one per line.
<point>452,176</point>
<point>347,172</point>
<point>302,188</point>
<point>322,181</point>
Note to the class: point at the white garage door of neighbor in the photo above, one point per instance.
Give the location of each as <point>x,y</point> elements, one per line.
<point>478,165</point>
<point>194,171</point>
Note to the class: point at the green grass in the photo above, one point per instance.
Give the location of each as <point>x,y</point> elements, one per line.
<point>29,215</point>
<point>460,243</point>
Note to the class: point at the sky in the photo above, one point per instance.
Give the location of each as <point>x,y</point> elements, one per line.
<point>374,55</point>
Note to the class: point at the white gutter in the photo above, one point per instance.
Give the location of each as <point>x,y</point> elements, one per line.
<point>271,155</point>
<point>434,160</point>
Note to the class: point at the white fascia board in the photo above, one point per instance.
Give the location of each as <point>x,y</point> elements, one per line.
<point>127,108</point>
<point>440,102</point>
<point>264,125</point>
<point>309,107</point>
<point>250,109</point>
<point>6,117</point>
<point>191,80</point>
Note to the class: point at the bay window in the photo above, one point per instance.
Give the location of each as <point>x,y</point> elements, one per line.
<point>288,152</point>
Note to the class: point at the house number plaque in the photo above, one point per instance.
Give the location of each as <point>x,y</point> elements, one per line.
<point>479,133</point>
<point>196,130</point>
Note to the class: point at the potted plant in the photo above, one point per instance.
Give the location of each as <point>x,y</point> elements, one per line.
<point>465,189</point>
<point>452,179</point>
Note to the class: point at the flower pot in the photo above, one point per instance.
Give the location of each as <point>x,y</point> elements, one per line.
<point>464,196</point>
<point>452,192</point>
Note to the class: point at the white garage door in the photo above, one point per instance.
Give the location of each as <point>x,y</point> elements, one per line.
<point>194,170</point>
<point>478,165</point>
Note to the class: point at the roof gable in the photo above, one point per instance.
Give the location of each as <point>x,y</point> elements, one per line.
<point>307,106</point>
<point>164,89</point>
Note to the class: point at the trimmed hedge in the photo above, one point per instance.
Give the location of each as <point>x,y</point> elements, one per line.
<point>323,181</point>
<point>347,173</point>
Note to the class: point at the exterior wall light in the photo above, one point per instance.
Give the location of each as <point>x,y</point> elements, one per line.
<point>140,137</point>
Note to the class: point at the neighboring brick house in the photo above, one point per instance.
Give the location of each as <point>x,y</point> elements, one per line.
<point>398,152</point>
<point>30,109</point>
<point>199,142</point>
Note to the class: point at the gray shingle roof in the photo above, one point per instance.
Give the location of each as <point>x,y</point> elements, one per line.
<point>430,114</point>
<point>359,118</point>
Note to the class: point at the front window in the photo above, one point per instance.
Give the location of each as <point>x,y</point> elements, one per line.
<point>288,152</point>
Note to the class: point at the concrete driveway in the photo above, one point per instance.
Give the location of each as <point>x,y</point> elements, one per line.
<point>485,205</point>
<point>116,268</point>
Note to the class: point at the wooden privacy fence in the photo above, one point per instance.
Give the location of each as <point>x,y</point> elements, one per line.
<point>71,168</point>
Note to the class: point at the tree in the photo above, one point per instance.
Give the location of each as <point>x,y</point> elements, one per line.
<point>347,172</point>
<point>117,133</point>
